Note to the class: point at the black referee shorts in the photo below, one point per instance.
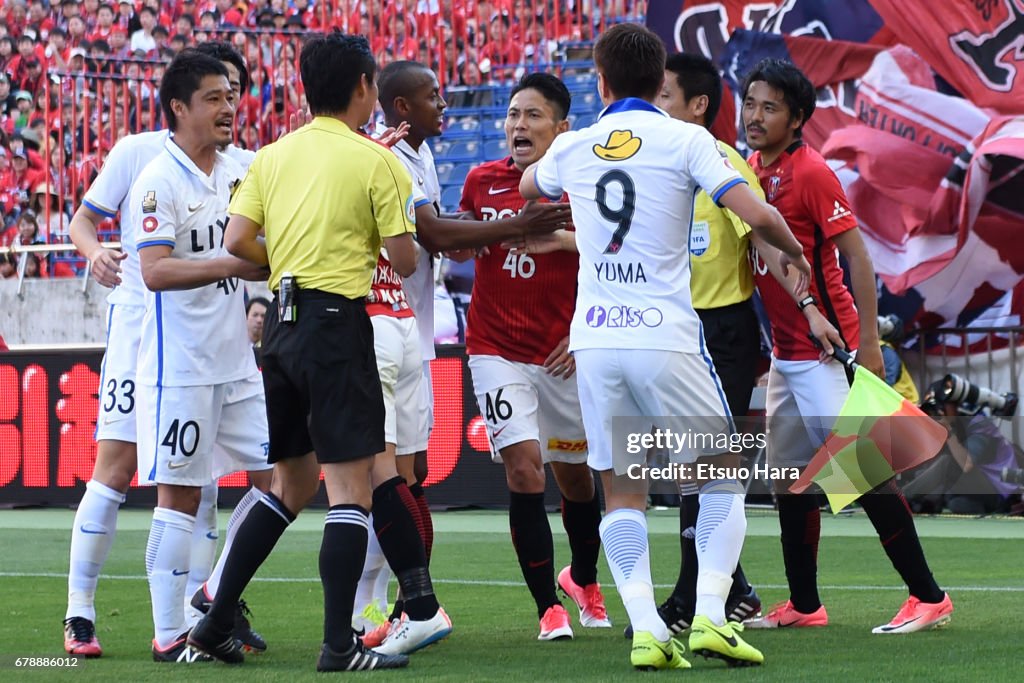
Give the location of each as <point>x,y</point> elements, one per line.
<point>733,338</point>
<point>320,376</point>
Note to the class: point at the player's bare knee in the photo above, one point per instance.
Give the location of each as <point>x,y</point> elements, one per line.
<point>115,464</point>
<point>523,467</point>
<point>575,481</point>
<point>406,466</point>
<point>420,467</point>
<point>261,479</point>
<point>183,499</point>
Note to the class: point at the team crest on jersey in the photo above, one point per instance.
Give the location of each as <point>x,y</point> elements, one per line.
<point>233,186</point>
<point>149,202</point>
<point>773,187</point>
<point>150,223</point>
<point>621,145</point>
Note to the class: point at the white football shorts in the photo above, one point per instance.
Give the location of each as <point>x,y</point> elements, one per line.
<point>396,343</point>
<point>117,391</point>
<point>647,389</point>
<point>803,400</point>
<point>521,402</point>
<point>192,436</point>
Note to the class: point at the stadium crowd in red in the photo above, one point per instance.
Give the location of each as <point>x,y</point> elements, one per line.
<point>78,75</point>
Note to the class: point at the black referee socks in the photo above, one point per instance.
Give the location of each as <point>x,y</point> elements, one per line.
<point>257,535</point>
<point>342,554</point>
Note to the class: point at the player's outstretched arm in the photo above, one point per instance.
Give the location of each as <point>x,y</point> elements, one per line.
<point>768,224</point>
<point>862,281</point>
<point>161,271</point>
<point>104,264</point>
<point>444,234</point>
<point>559,240</point>
<point>242,239</point>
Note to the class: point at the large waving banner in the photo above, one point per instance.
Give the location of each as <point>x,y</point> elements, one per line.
<point>706,27</point>
<point>975,45</point>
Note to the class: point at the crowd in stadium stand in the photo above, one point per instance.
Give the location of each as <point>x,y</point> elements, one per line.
<point>78,75</point>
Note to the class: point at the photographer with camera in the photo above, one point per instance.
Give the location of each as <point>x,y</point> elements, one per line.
<point>966,477</point>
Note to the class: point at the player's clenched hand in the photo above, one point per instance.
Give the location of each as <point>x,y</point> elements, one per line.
<point>392,136</point>
<point>104,264</point>
<point>870,357</point>
<point>824,332</point>
<point>541,218</point>
<point>560,363</point>
<point>803,269</point>
<point>245,270</point>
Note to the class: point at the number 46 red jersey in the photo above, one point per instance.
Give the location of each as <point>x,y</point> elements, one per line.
<point>522,303</point>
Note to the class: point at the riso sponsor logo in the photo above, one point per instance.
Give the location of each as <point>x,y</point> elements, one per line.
<point>624,317</point>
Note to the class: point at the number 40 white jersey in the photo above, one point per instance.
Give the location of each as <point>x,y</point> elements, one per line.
<point>631,180</point>
<point>192,336</point>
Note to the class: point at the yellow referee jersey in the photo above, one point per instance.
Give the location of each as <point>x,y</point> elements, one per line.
<point>325,196</point>
<point>719,241</point>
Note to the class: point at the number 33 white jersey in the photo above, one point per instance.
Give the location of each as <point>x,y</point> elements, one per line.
<point>631,180</point>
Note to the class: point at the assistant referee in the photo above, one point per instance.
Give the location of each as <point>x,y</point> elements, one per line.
<point>324,197</point>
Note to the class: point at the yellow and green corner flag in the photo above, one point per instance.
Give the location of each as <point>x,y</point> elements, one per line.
<point>877,434</point>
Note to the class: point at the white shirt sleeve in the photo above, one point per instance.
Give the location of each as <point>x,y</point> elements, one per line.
<point>547,178</point>
<point>710,166</point>
<point>152,209</point>
<point>114,181</point>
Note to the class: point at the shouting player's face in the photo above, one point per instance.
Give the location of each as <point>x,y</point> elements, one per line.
<point>425,107</point>
<point>769,123</point>
<point>210,114</point>
<point>531,126</point>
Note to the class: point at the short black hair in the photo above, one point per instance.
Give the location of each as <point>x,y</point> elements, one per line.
<point>257,300</point>
<point>331,66</point>
<point>551,89</point>
<point>224,52</point>
<point>396,81</point>
<point>182,79</point>
<point>797,90</point>
<point>146,9</point>
<point>632,60</point>
<point>696,75</point>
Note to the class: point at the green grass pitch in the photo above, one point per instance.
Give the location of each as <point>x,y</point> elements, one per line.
<point>980,562</point>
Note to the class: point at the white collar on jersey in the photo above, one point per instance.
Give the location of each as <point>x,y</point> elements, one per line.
<point>630,104</point>
<point>183,159</point>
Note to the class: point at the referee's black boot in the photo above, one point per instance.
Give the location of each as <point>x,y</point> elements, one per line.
<point>218,642</point>
<point>358,658</point>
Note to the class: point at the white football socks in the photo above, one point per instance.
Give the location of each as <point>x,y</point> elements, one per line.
<point>624,537</point>
<point>91,539</point>
<point>167,566</point>
<point>721,526</point>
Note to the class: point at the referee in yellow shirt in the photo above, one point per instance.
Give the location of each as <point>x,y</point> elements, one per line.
<point>722,284</point>
<point>324,197</point>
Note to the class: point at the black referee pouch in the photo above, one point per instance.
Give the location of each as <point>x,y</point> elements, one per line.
<point>287,293</point>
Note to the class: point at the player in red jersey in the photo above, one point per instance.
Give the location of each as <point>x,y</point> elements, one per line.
<point>517,341</point>
<point>804,393</point>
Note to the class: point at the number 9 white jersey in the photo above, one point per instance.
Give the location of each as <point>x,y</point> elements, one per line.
<point>631,180</point>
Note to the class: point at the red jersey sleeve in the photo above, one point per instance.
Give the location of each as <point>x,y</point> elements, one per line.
<point>824,200</point>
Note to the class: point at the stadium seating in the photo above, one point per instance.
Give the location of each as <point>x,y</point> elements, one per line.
<point>475,131</point>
